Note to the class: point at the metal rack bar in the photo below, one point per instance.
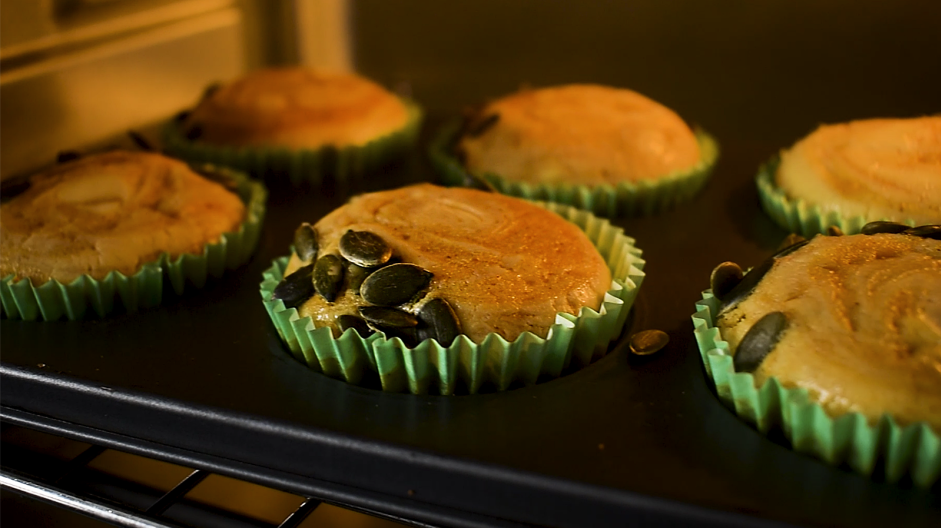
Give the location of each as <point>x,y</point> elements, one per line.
<point>84,505</point>
<point>185,486</point>
<point>301,513</point>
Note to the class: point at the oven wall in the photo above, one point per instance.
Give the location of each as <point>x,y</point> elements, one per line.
<point>769,70</point>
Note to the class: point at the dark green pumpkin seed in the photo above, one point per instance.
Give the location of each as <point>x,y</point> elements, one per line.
<point>753,277</point>
<point>12,187</point>
<point>759,341</point>
<point>355,275</point>
<point>648,342</point>
<point>925,231</point>
<point>408,335</point>
<point>364,249</point>
<point>328,276</point>
<point>305,242</point>
<point>394,284</point>
<point>347,321</point>
<point>385,317</point>
<point>67,155</point>
<point>874,228</point>
<point>296,287</point>
<point>194,132</point>
<point>140,141</point>
<point>834,231</point>
<point>790,240</point>
<point>724,278</point>
<point>439,322</point>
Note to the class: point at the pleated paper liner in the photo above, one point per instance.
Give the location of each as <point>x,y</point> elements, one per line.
<point>88,297</point>
<point>801,216</point>
<point>429,367</point>
<point>913,450</point>
<point>313,166</point>
<point>625,199</point>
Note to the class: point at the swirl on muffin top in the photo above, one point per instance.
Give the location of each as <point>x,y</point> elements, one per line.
<point>863,324</point>
<point>584,134</point>
<point>296,108</point>
<point>112,211</point>
<point>876,168</point>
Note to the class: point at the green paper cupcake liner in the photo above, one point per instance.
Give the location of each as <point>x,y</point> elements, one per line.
<point>430,366</point>
<point>642,198</point>
<point>800,216</point>
<point>911,450</point>
<point>300,165</point>
<point>86,296</point>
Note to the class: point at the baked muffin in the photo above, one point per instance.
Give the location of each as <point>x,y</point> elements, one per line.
<point>295,119</point>
<point>852,173</point>
<point>606,142</point>
<point>433,269</point>
<point>837,341</point>
<point>118,213</point>
<point>854,319</point>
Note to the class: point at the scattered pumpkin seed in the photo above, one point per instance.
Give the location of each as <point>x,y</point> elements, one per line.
<point>386,317</point>
<point>394,284</point>
<point>873,228</point>
<point>328,276</point>
<point>759,341</point>
<point>295,288</point>
<point>724,278</point>
<point>364,249</point>
<point>305,242</point>
<point>648,342</point>
<point>439,322</point>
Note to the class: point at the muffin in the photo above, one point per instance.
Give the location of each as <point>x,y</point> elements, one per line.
<point>428,273</point>
<point>296,121</point>
<point>839,340</point>
<point>610,150</point>
<point>117,215</point>
<point>852,173</point>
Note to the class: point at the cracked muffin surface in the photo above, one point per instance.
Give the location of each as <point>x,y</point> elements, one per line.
<point>111,212</point>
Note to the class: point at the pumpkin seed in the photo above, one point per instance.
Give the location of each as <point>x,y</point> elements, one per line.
<point>751,279</point>
<point>305,242</point>
<point>759,341</point>
<point>12,187</point>
<point>67,155</point>
<point>295,288</point>
<point>385,317</point>
<point>873,228</point>
<point>140,141</point>
<point>347,321</point>
<point>355,275</point>
<point>724,278</point>
<point>394,284</point>
<point>328,276</point>
<point>439,322</point>
<point>648,342</point>
<point>194,132</point>
<point>364,249</point>
<point>834,231</point>
<point>925,231</point>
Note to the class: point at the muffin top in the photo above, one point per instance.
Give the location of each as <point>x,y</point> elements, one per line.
<point>876,168</point>
<point>863,324</point>
<point>111,211</point>
<point>296,108</point>
<point>582,134</point>
<point>505,266</point>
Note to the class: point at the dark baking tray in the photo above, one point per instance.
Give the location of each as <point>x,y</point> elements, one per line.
<point>204,380</point>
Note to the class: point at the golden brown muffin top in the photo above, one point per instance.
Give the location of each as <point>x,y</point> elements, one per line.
<point>111,211</point>
<point>582,134</point>
<point>296,108</point>
<point>875,168</point>
<point>864,324</point>
<point>504,265</point>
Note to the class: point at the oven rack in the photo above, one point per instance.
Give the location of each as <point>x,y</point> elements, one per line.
<point>70,484</point>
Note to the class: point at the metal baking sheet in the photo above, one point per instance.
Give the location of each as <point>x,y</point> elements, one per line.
<point>205,380</point>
